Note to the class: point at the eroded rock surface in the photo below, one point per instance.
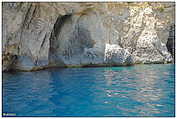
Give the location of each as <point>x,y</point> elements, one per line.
<point>41,35</point>
<point>114,54</point>
<point>149,48</point>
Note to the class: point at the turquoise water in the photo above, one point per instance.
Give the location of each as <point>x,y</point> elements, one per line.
<point>141,90</point>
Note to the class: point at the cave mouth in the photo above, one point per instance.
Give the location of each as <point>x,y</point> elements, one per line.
<point>78,39</point>
<point>59,23</point>
<point>171,41</point>
<point>56,30</point>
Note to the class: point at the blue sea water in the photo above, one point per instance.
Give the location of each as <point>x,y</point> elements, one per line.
<point>141,90</point>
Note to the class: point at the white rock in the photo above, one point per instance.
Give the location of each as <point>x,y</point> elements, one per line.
<point>114,54</point>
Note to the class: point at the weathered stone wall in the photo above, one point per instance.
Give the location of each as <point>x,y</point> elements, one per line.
<point>41,35</point>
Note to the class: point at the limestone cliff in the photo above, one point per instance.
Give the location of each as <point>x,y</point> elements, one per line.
<point>41,35</point>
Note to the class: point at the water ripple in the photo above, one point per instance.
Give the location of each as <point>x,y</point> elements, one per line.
<point>142,90</point>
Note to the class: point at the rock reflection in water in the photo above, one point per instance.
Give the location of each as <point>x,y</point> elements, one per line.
<point>139,88</point>
<point>146,91</point>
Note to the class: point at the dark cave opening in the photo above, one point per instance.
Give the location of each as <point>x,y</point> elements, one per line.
<point>60,21</point>
<point>171,41</point>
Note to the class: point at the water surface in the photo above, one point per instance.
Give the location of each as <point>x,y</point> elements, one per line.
<point>141,90</point>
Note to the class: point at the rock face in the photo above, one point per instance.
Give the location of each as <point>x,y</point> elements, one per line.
<point>42,35</point>
<point>149,48</point>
